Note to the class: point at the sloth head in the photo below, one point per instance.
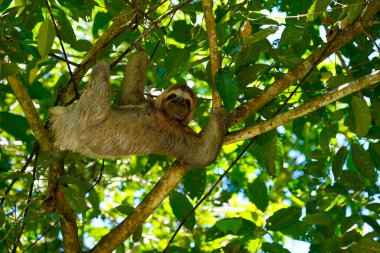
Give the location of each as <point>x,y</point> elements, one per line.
<point>177,102</point>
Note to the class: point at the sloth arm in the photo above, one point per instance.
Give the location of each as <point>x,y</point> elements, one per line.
<point>132,88</point>
<point>94,103</point>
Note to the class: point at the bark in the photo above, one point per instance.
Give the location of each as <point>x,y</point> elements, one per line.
<point>304,109</point>
<point>30,112</point>
<point>168,182</point>
<point>214,52</point>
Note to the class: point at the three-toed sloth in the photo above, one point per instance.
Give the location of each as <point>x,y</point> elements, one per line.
<point>136,125</point>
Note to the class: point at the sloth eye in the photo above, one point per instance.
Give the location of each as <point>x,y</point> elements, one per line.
<point>171,96</point>
<point>188,103</point>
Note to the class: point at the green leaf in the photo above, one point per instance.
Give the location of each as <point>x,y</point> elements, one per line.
<point>324,139</point>
<point>258,194</point>
<point>66,30</point>
<point>4,4</point>
<point>274,248</point>
<point>260,35</point>
<point>362,116</point>
<point>228,88</point>
<point>290,35</point>
<point>229,225</point>
<point>12,175</point>
<point>372,222</point>
<point>269,153</point>
<point>374,151</point>
<point>351,179</point>
<point>321,219</point>
<point>362,161</point>
<point>82,45</point>
<point>75,200</point>
<point>365,245</point>
<point>181,31</point>
<point>338,162</point>
<point>375,108</point>
<point>124,209</point>
<point>350,237</point>
<point>137,234</point>
<point>195,183</point>
<point>181,206</point>
<point>101,21</point>
<point>2,216</point>
<point>284,218</point>
<point>251,74</point>
<point>15,125</point>
<point>46,37</point>
<point>336,81</point>
<point>8,69</point>
<point>317,9</point>
<point>247,56</point>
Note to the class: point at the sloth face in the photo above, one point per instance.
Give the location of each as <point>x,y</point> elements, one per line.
<point>177,102</point>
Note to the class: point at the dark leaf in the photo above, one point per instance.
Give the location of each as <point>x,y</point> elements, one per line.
<point>338,162</point>
<point>195,183</point>
<point>181,206</point>
<point>258,194</point>
<point>362,116</point>
<point>362,161</point>
<point>228,89</point>
<point>284,218</point>
<point>8,69</point>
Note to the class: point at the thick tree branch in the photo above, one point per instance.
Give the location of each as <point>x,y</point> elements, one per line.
<point>341,38</point>
<point>214,52</point>
<point>304,109</point>
<point>168,182</point>
<point>68,221</point>
<point>30,112</point>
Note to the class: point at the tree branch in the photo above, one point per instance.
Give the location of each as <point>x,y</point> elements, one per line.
<point>341,38</point>
<point>168,182</point>
<point>214,52</point>
<point>30,112</point>
<point>120,24</point>
<point>304,109</point>
<point>68,221</point>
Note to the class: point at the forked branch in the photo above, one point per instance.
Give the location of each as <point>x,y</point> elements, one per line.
<point>298,72</point>
<point>304,109</point>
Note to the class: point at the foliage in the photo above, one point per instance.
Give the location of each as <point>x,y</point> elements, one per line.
<point>313,180</point>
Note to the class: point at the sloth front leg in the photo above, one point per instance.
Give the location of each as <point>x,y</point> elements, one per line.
<point>95,100</point>
<point>132,89</point>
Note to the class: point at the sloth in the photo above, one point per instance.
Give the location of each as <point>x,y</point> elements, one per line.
<point>136,125</point>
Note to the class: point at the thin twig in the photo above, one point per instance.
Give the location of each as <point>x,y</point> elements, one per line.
<point>149,30</point>
<point>98,179</point>
<point>31,186</point>
<point>23,169</point>
<point>43,235</point>
<point>63,59</point>
<point>208,193</point>
<point>61,43</point>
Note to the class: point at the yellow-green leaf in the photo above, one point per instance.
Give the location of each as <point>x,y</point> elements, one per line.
<point>8,69</point>
<point>46,37</point>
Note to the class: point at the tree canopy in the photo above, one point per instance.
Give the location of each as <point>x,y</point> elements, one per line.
<point>300,162</point>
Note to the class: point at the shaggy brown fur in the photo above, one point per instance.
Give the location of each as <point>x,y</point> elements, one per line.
<point>137,126</point>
